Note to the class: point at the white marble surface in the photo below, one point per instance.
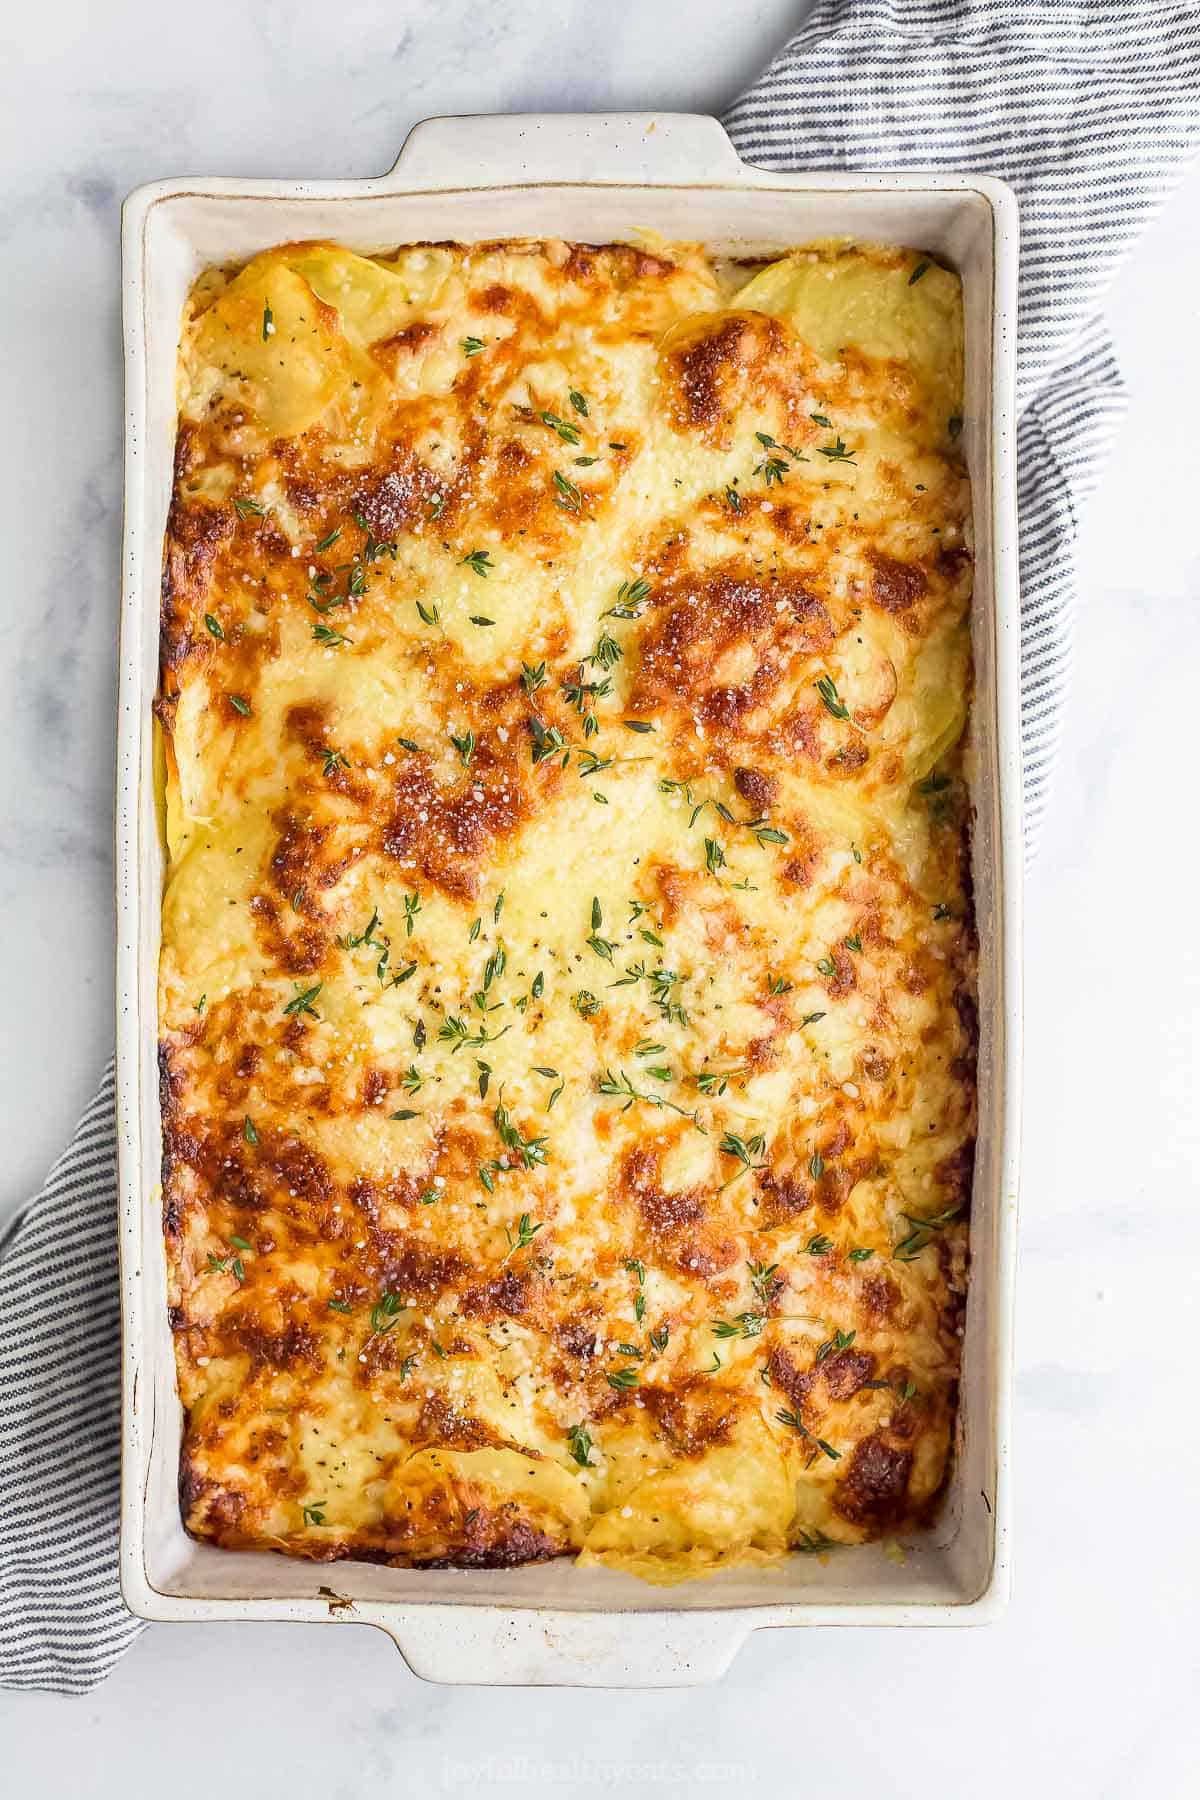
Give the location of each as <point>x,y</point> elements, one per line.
<point>1087,1689</point>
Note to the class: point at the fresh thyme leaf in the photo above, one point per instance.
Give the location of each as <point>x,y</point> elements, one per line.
<point>373,550</point>
<point>479,562</point>
<point>820,419</point>
<point>827,967</point>
<point>921,269</point>
<point>744,1151</point>
<point>836,452</point>
<point>546,742</point>
<point>819,1245</point>
<point>325,634</point>
<point>631,597</point>
<point>714,856</point>
<point>811,1018</point>
<point>313,1510</point>
<point>733,499</point>
<point>249,1130</point>
<point>321,604</point>
<point>524,1235</point>
<point>530,1152</point>
<point>829,695</point>
<point>567,432</point>
<point>814,1543</point>
<point>478,619</point>
<point>429,615</point>
<point>716,1081</point>
<point>623,1379</point>
<point>780,986</point>
<point>457,1032</point>
<point>579,1443</point>
<point>853,943</point>
<point>408,744</point>
<point>816,1165</point>
<point>607,653</point>
<point>568,496</point>
<point>303,1002</point>
<point>922,1233</point>
<point>465,746</point>
<point>585,1004</point>
<point>385,1312</point>
<point>247,508</point>
<point>339,1306</point>
<point>533,678</point>
<point>268,320</point>
<point>214,627</point>
<point>406,1112</point>
<point>578,402</point>
<point>762,1280</point>
<point>471,346</point>
<point>334,760</point>
<point>860,1255</point>
<point>620,1087</point>
<point>642,725</point>
<point>327,543</point>
<point>239,705</point>
<point>841,1340</point>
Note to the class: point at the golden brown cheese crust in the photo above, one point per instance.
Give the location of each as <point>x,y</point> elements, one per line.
<point>567,972</point>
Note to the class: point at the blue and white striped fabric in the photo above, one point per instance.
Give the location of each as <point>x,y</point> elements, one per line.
<point>1089,108</point>
<point>62,1624</point>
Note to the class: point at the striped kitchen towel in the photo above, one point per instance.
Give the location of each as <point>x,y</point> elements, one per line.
<point>1089,108</point>
<point>62,1624</point>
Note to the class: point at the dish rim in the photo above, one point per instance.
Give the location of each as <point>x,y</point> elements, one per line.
<point>479,1639</point>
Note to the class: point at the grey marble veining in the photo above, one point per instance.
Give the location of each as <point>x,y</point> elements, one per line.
<point>1086,1691</point>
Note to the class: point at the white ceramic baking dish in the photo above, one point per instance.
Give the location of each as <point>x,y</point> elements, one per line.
<point>599,179</point>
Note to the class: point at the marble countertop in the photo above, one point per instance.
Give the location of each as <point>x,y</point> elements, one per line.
<point>1087,1688</point>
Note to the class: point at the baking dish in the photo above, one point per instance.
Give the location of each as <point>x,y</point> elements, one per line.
<point>598,179</point>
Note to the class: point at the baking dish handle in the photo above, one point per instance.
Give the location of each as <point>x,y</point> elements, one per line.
<point>482,1646</point>
<point>507,149</point>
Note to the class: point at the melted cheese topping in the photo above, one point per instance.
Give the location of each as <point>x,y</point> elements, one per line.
<point>566,986</point>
